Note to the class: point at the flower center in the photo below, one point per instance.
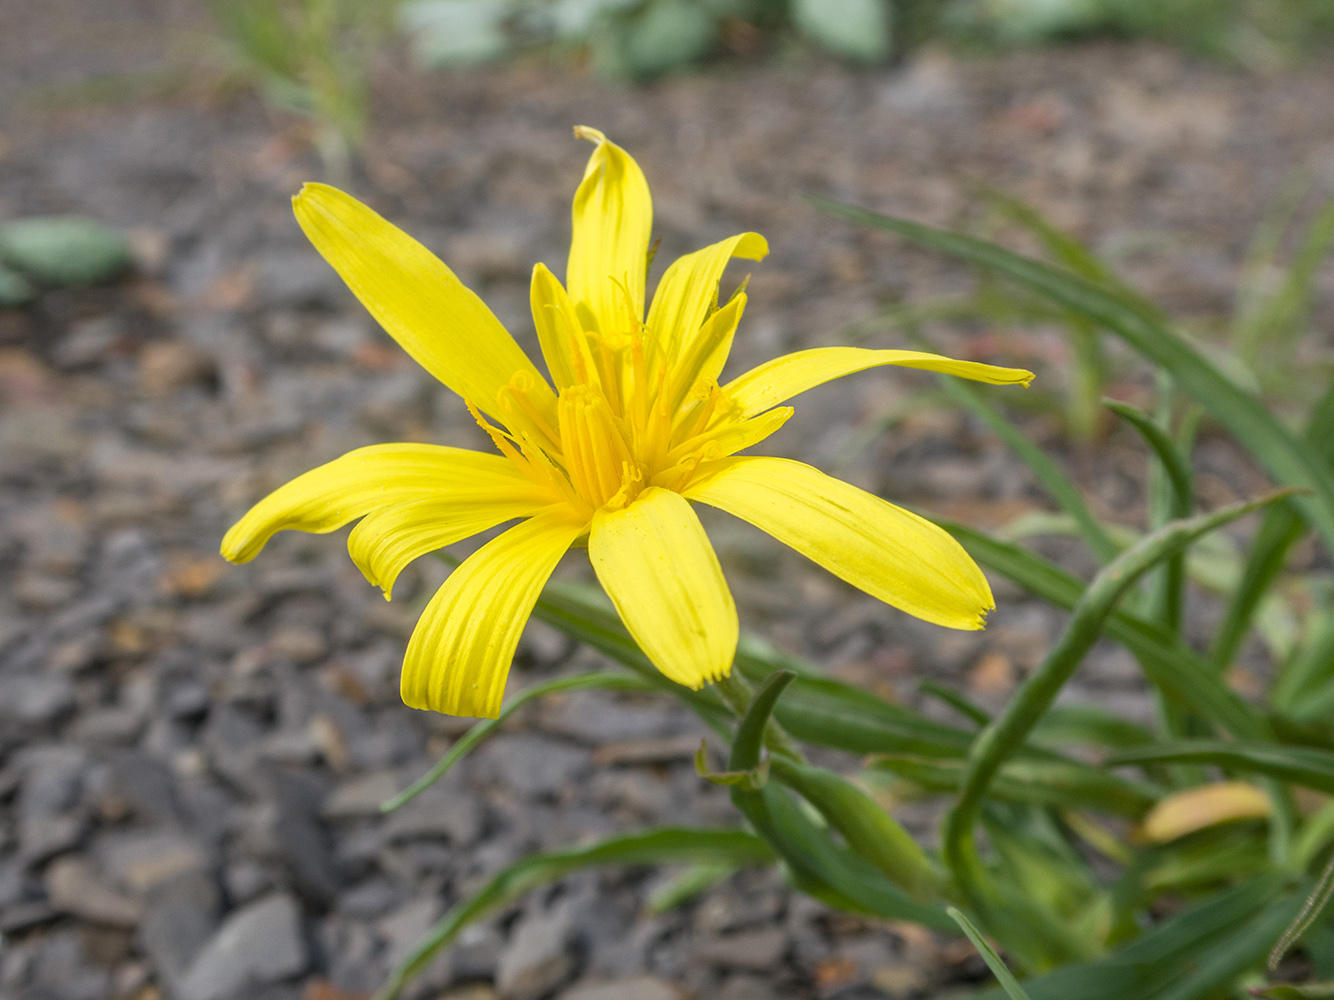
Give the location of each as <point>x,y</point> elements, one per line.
<point>633,418</point>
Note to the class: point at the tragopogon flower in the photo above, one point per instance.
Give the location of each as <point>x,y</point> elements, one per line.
<point>631,428</point>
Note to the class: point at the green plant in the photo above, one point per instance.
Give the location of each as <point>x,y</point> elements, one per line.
<point>312,57</point>
<point>1203,856</point>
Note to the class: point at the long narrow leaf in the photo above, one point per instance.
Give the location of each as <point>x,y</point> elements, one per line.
<point>1048,473</point>
<point>1169,663</point>
<point>1007,734</point>
<point>604,680</point>
<point>1290,460</point>
<point>1305,766</point>
<point>1280,530</point>
<point>998,968</point>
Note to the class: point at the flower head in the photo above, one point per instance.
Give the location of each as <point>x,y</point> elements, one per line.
<point>632,427</point>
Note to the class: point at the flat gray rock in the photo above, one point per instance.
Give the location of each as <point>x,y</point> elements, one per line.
<point>257,945</point>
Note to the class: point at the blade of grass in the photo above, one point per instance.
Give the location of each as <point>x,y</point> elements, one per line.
<point>1048,473</point>
<point>1168,663</point>
<point>1306,766</point>
<point>1290,460</point>
<point>1007,734</point>
<point>1280,530</point>
<point>604,680</point>
<point>998,968</point>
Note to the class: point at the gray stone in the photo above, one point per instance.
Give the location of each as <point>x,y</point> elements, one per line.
<point>257,945</point>
<point>754,951</point>
<point>597,717</point>
<point>52,815</point>
<point>75,887</point>
<point>141,861</point>
<point>537,958</point>
<point>299,839</point>
<point>181,915</point>
<point>441,810</point>
<point>634,988</point>
<point>746,988</point>
<point>403,929</point>
<point>360,797</point>
<point>35,699</point>
<point>532,765</point>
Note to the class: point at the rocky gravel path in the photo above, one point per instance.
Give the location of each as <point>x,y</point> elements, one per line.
<point>192,754</point>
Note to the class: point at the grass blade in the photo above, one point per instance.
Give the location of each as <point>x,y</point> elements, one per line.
<point>604,680</point>
<point>1168,663</point>
<point>1048,473</point>
<point>1290,460</point>
<point>1307,766</point>
<point>1004,737</point>
<point>1281,529</point>
<point>998,968</point>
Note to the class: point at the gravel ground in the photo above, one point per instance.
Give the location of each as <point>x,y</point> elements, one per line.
<point>192,753</point>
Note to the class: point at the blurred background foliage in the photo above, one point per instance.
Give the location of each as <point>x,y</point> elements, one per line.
<point>315,56</point>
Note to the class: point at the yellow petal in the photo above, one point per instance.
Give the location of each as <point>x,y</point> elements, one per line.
<point>689,289</point>
<point>890,553</point>
<point>386,541</point>
<point>613,214</point>
<point>370,479</point>
<point>703,360</point>
<point>657,566</point>
<point>460,652</point>
<point>1193,809</point>
<point>784,377</point>
<point>446,328</point>
<point>556,322</point>
<point>731,439</point>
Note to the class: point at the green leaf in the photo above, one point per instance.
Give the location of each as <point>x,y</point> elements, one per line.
<point>1296,991</point>
<point>752,779</point>
<point>456,32</point>
<point>1160,958</point>
<point>749,740</point>
<point>1290,460</point>
<point>1309,913</point>
<point>1305,766</point>
<point>660,846</point>
<point>578,682</point>
<point>998,968</point>
<point>1048,473</point>
<point>65,250</point>
<point>14,288</point>
<point>1167,661</point>
<point>817,865</point>
<point>585,614</point>
<point>1280,530</point>
<point>860,30</point>
<point>1057,783</point>
<point>668,35</point>
<point>1005,737</point>
<point>868,829</point>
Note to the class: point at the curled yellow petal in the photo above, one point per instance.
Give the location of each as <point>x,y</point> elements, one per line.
<point>689,288</point>
<point>782,378</point>
<point>446,328</point>
<point>370,479</point>
<point>556,322</point>
<point>460,652</point>
<point>613,214</point>
<point>890,553</point>
<point>384,542</point>
<point>657,566</point>
<point>1193,809</point>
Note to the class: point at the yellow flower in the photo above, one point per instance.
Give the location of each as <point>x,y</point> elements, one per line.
<point>630,429</point>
